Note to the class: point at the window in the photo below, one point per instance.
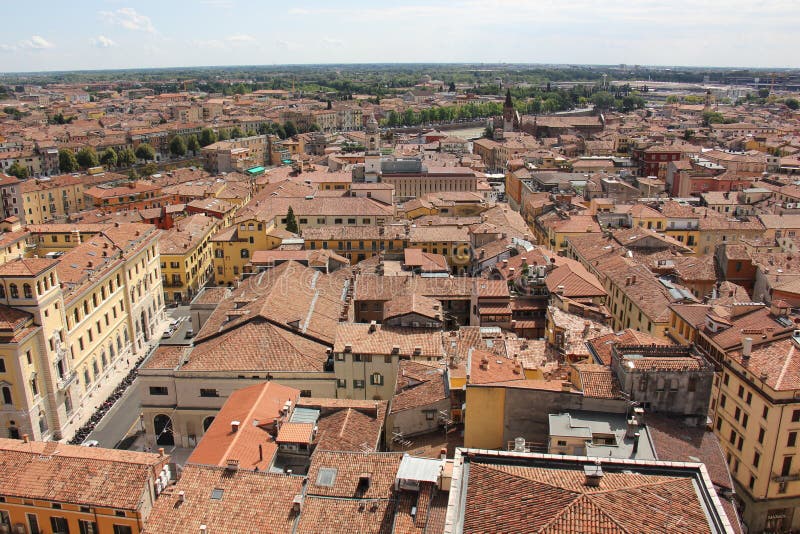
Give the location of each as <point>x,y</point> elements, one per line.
<point>749,398</point>
<point>13,290</point>
<point>795,415</point>
<point>208,392</point>
<point>791,441</point>
<point>719,423</point>
<point>737,413</point>
<point>692,383</point>
<point>765,413</point>
<point>429,414</point>
<point>726,378</point>
<point>358,384</point>
<point>376,379</point>
<point>7,395</point>
<point>87,527</point>
<point>740,393</point>
<point>158,390</point>
<point>244,253</point>
<point>305,392</point>
<point>122,529</point>
<point>2,365</point>
<point>59,525</point>
<point>756,458</point>
<point>27,291</point>
<point>341,383</point>
<point>33,523</point>
<point>722,400</point>
<point>351,221</point>
<point>752,482</point>
<point>119,513</point>
<point>787,466</point>
<point>745,419</point>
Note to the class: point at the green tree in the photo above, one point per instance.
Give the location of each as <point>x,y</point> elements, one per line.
<point>177,146</point>
<point>688,134</point>
<point>126,157</point>
<point>236,133</point>
<point>452,87</point>
<point>279,131</point>
<point>603,100</point>
<point>145,152</point>
<point>792,103</point>
<point>109,157</point>
<point>251,133</point>
<point>673,99</point>
<point>87,157</point>
<point>223,135</point>
<point>18,170</point>
<point>712,117</point>
<point>67,161</point>
<point>149,169</point>
<point>207,137</point>
<point>763,92</point>
<point>291,221</point>
<point>193,145</point>
<point>488,132</point>
<point>290,128</point>
<point>133,175</point>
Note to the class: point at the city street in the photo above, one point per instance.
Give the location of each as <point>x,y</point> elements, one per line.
<point>122,419</point>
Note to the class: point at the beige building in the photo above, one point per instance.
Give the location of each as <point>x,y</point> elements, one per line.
<point>52,199</point>
<point>235,154</point>
<point>187,256</point>
<point>75,326</point>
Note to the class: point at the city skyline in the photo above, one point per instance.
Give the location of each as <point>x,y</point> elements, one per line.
<point>107,34</point>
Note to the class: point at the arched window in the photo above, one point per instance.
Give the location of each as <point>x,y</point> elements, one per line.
<point>119,344</point>
<point>87,378</point>
<point>76,315</point>
<point>111,350</point>
<point>7,395</point>
<point>127,339</point>
<point>27,290</point>
<point>85,307</point>
<point>103,359</point>
<point>12,288</point>
<point>244,253</point>
<point>52,279</point>
<point>95,368</point>
<point>38,287</point>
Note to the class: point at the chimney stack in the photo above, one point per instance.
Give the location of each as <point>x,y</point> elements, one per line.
<point>635,442</point>
<point>25,438</point>
<point>593,475</point>
<point>235,426</point>
<point>181,496</point>
<point>161,451</point>
<point>747,347</point>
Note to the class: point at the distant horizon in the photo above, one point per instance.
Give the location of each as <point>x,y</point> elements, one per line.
<point>108,35</point>
<point>630,67</point>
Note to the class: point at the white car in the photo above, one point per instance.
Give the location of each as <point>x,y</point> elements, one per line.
<point>91,443</point>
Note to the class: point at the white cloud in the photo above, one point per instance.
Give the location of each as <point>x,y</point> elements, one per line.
<point>226,4</point>
<point>332,42</point>
<point>36,42</point>
<point>128,18</point>
<point>101,41</point>
<point>241,38</point>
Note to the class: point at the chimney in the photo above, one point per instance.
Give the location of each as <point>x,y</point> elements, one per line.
<point>395,349</point>
<point>161,451</point>
<point>232,465</point>
<point>417,350</point>
<point>260,453</point>
<point>24,438</point>
<point>633,427</point>
<point>181,496</point>
<point>443,454</point>
<point>635,442</point>
<point>348,347</point>
<point>373,325</point>
<point>633,279</point>
<point>747,347</point>
<point>203,529</point>
<point>235,426</point>
<point>627,281</point>
<point>593,474</point>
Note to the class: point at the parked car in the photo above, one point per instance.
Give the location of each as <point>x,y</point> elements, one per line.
<point>91,443</point>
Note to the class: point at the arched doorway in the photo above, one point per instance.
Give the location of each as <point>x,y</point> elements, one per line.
<point>207,422</point>
<point>163,429</point>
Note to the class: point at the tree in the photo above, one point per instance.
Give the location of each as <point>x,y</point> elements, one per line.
<point>488,132</point>
<point>279,131</point>
<point>18,170</point>
<point>109,157</point>
<point>291,222</point>
<point>330,105</point>
<point>712,117</point>
<point>126,157</point>
<point>87,157</point>
<point>145,152</point>
<point>290,128</point>
<point>223,135</point>
<point>763,92</point>
<point>792,103</point>
<point>673,99</point>
<point>149,169</point>
<point>207,137</point>
<point>452,87</point>
<point>133,175</point>
<point>193,145</point>
<point>177,146</point>
<point>236,133</point>
<point>603,100</point>
<point>67,161</point>
<point>688,134</point>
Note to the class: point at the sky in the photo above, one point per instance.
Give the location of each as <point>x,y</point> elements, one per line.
<point>109,34</point>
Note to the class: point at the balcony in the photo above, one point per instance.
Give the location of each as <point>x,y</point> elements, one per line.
<point>65,381</point>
